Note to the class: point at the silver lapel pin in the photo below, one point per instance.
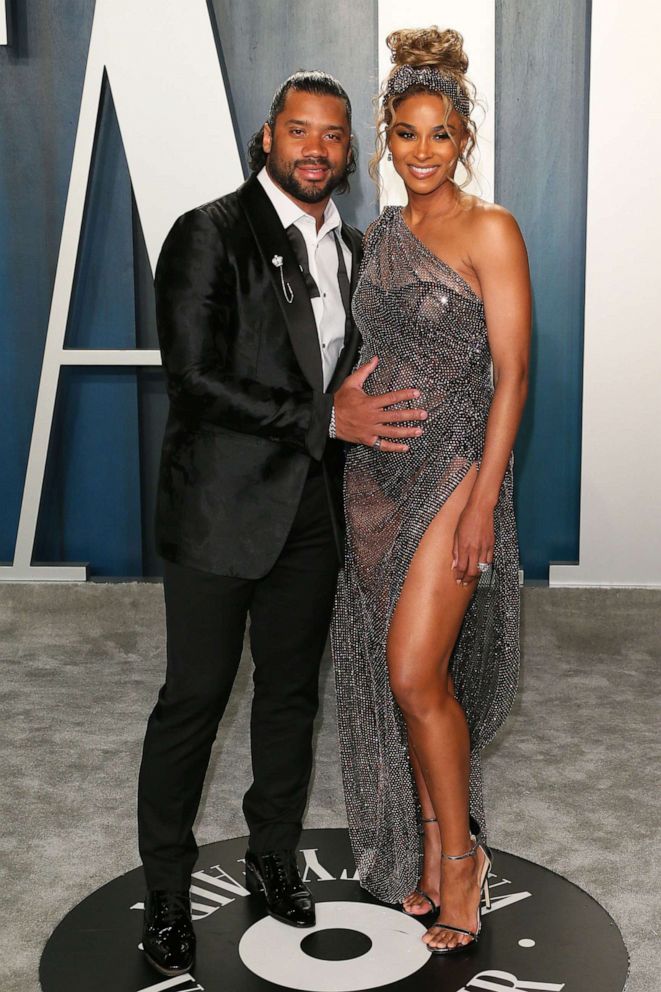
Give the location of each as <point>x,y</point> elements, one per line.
<point>277,260</point>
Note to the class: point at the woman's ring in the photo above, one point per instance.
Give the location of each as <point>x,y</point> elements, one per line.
<point>377,444</point>
<point>483,565</point>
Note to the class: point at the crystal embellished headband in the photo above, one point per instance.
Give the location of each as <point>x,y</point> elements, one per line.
<point>406,76</point>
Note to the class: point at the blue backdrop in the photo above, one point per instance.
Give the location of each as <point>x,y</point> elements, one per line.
<point>98,498</point>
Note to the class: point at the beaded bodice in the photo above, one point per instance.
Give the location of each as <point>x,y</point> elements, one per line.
<point>424,321</point>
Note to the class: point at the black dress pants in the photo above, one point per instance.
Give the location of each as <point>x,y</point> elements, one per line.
<point>206,615</point>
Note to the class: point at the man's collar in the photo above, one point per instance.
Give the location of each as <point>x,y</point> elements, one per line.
<point>289,212</point>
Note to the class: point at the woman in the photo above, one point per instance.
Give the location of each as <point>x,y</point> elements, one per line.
<point>425,633</point>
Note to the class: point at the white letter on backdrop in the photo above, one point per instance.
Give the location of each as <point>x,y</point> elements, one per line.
<point>163,70</point>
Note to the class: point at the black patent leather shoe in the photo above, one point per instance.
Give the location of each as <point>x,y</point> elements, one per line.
<point>168,938</point>
<point>276,875</point>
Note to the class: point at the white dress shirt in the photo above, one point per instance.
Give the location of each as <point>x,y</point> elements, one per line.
<point>328,309</point>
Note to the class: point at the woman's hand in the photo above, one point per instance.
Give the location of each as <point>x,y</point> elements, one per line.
<point>473,542</point>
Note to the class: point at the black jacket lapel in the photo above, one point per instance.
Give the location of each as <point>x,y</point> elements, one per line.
<point>273,243</point>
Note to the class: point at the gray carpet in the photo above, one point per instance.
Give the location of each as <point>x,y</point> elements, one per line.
<point>572,782</point>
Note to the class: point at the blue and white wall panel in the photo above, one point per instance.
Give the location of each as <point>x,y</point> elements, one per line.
<point>620,538</point>
<point>116,116</point>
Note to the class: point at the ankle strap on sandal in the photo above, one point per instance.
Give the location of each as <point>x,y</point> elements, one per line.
<point>461,857</point>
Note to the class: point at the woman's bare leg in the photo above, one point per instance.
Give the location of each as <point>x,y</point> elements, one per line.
<point>422,635</point>
<point>430,880</point>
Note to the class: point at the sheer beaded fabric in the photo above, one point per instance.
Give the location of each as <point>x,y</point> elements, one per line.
<point>428,328</point>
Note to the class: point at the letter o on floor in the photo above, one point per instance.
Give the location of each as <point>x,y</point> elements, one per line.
<point>273,951</point>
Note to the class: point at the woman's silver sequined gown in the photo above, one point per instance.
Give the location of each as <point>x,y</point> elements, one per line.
<point>427,326</point>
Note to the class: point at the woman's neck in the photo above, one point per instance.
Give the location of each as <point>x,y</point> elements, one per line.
<point>442,202</point>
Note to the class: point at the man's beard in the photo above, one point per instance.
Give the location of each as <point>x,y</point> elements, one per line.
<point>283,174</point>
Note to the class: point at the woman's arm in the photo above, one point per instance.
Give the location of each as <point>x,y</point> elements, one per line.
<point>499,257</point>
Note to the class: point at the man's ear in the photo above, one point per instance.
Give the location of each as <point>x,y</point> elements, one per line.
<point>267,138</point>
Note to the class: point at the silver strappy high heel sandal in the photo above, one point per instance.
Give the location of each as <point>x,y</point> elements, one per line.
<point>433,908</point>
<point>483,883</point>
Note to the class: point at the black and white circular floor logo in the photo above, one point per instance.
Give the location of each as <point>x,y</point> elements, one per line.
<point>542,934</point>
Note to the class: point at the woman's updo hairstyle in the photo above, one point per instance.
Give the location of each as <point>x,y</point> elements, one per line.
<point>427,60</point>
<point>442,50</point>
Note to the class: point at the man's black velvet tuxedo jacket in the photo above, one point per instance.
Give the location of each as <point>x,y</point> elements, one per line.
<point>248,411</point>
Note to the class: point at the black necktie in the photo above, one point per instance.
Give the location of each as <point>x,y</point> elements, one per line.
<point>297,242</point>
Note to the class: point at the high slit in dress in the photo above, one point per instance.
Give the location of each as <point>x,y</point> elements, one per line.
<point>427,327</point>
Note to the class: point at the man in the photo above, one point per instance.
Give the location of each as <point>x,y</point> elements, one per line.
<point>253,306</point>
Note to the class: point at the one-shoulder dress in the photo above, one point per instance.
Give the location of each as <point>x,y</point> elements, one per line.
<point>428,328</point>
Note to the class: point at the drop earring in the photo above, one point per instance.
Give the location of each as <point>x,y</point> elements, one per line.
<point>389,156</point>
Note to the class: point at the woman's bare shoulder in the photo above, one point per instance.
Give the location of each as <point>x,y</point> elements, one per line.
<point>490,221</point>
<point>492,228</point>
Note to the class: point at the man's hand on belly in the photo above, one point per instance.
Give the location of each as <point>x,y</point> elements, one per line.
<point>364,419</point>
